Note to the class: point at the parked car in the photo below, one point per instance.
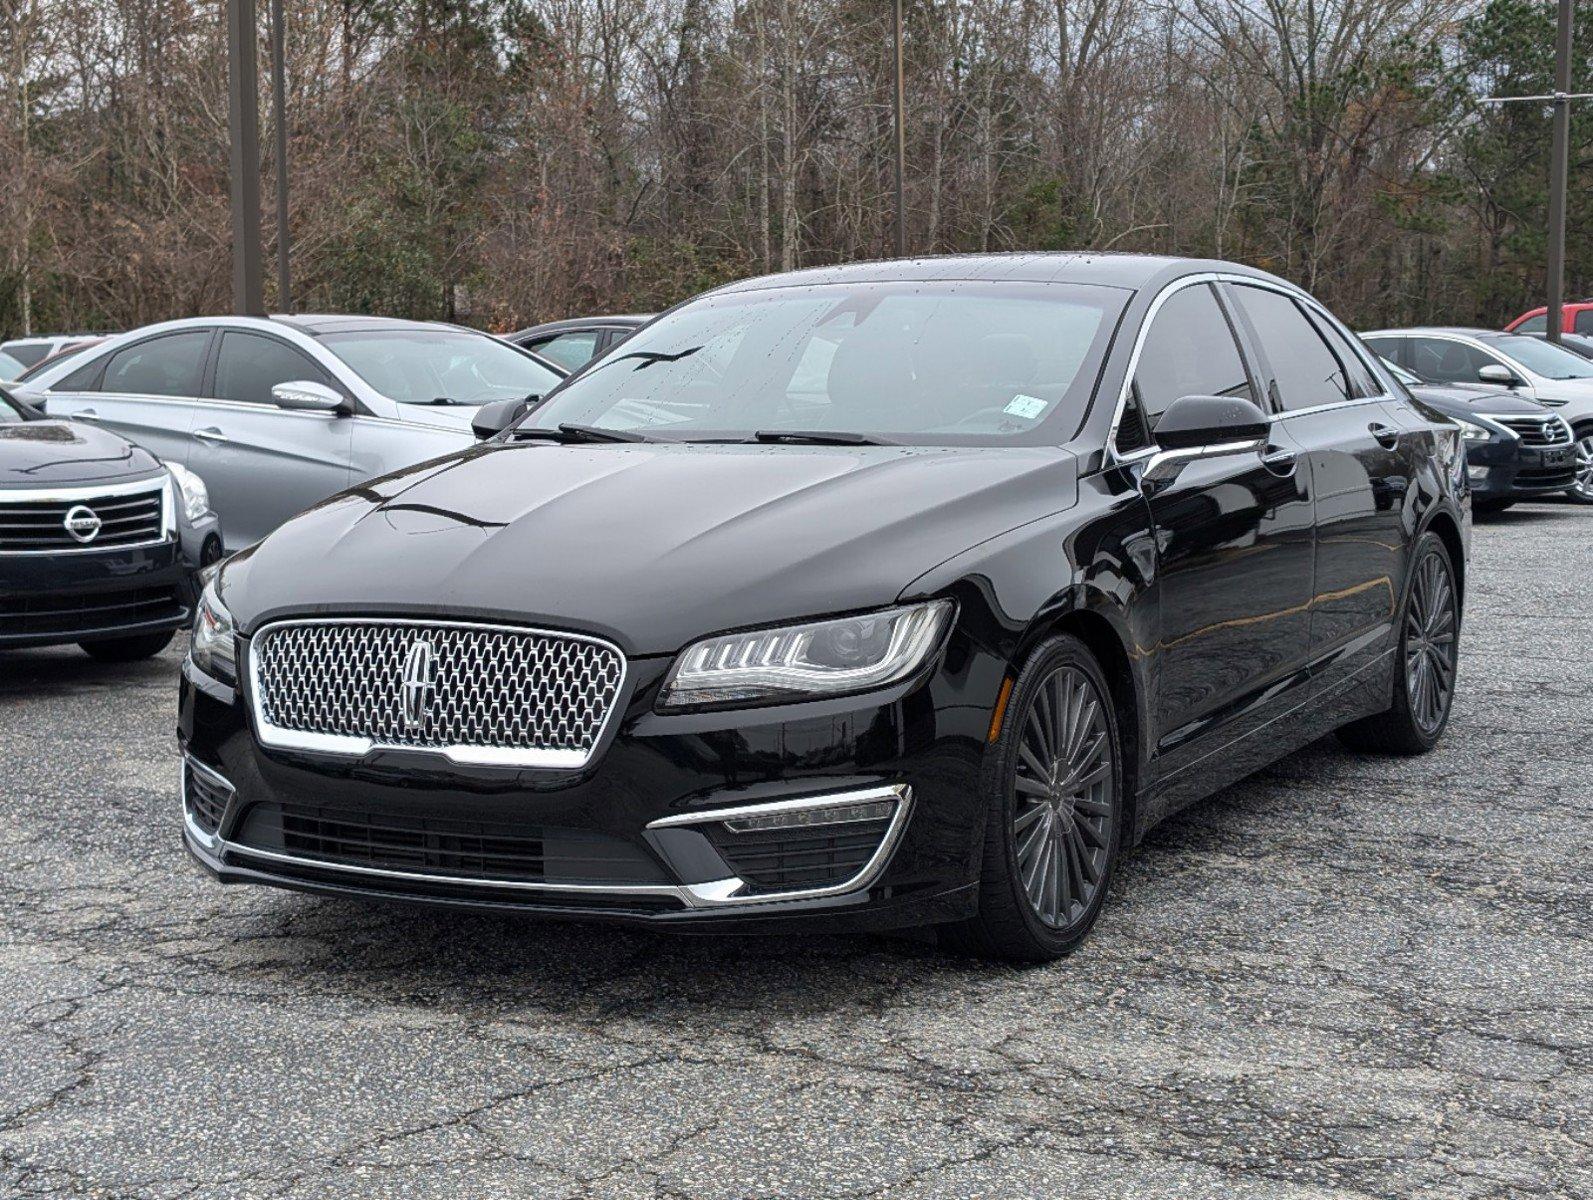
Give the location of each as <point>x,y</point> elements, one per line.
<point>888,594</point>
<point>1515,449</point>
<point>99,542</point>
<point>1575,317</point>
<point>1527,366</point>
<point>31,350</point>
<point>1576,343</point>
<point>577,341</point>
<point>276,414</point>
<point>10,369</point>
<point>60,356</point>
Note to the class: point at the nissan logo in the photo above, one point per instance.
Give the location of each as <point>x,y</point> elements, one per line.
<point>83,523</point>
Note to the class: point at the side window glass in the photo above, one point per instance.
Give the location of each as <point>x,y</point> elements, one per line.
<point>1540,324</point>
<point>1359,376</point>
<point>1438,360</point>
<point>249,366</point>
<point>162,366</point>
<point>1305,369</point>
<point>1584,321</point>
<point>571,350</point>
<point>1189,351</point>
<point>85,379</point>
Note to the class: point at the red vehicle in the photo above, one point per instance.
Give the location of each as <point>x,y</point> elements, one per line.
<point>1577,316</point>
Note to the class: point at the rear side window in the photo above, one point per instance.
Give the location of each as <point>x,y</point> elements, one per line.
<point>249,366</point>
<point>1438,360</point>
<point>162,366</point>
<point>571,350</point>
<point>1304,367</point>
<point>27,353</point>
<point>1189,351</point>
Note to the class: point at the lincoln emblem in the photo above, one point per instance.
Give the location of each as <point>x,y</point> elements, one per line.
<point>419,686</point>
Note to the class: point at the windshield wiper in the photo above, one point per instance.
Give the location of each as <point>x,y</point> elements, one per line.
<point>571,432</point>
<point>818,437</point>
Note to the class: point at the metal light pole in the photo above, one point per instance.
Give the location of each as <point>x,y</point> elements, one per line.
<point>1559,166</point>
<point>901,143</point>
<point>279,90</point>
<point>243,121</point>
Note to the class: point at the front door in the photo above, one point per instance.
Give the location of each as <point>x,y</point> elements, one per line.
<point>263,464</point>
<point>1234,561</point>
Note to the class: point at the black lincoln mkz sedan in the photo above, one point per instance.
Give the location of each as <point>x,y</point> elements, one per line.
<point>892,594</point>
<point>99,541</point>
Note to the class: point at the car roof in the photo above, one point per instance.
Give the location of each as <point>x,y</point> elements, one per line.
<point>1109,268</point>
<point>317,324</point>
<point>608,320</point>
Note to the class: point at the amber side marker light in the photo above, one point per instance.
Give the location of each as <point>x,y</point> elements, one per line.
<point>1001,709</point>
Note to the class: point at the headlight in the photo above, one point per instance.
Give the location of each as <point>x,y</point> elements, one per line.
<point>1473,432</point>
<point>215,647</point>
<point>192,491</point>
<point>797,662</point>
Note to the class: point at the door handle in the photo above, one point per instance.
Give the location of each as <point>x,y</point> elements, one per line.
<point>84,414</point>
<point>1280,460</point>
<point>211,434</point>
<point>1383,435</point>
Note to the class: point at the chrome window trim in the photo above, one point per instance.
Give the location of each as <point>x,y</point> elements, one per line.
<point>345,746</point>
<point>1125,394</point>
<point>723,893</point>
<point>161,482</point>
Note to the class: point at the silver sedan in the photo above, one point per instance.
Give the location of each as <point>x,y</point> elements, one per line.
<point>277,413</point>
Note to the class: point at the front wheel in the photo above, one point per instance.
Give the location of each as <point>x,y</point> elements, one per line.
<point>1429,646</point>
<point>1053,783</point>
<point>127,649</point>
<point>1582,489</point>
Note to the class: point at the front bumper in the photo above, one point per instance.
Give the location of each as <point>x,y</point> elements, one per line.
<point>1506,470</point>
<point>637,836</point>
<point>58,599</point>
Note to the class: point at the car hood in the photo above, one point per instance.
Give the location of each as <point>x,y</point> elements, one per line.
<point>1479,398</point>
<point>650,545</point>
<point>39,453</point>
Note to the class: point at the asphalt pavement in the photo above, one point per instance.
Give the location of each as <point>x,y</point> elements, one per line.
<point>1347,976</point>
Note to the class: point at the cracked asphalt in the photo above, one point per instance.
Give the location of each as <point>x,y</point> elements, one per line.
<point>1345,977</point>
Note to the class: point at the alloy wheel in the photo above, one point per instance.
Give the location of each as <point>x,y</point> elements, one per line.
<point>1430,628</point>
<point>1062,804</point>
<point>1583,487</point>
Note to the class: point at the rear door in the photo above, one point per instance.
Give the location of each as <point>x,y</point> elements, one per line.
<point>1234,538</point>
<point>145,391</point>
<point>263,464</point>
<point>1332,405</point>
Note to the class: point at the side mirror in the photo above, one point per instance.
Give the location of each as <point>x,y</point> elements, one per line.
<point>304,395</point>
<point>494,418</point>
<point>1498,373</point>
<point>1196,427</point>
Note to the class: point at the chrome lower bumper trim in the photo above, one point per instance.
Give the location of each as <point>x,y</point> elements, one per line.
<point>717,894</point>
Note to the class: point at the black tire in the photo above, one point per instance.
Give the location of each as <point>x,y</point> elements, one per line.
<point>128,649</point>
<point>1484,507</point>
<point>1078,822</point>
<point>1582,448</point>
<point>1411,724</point>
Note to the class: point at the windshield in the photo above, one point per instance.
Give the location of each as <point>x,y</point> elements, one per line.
<point>929,363</point>
<point>1543,358</point>
<point>1399,372</point>
<point>10,368</point>
<point>441,366</point>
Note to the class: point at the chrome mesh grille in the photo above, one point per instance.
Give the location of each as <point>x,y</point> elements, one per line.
<point>511,695</point>
<point>1538,431</point>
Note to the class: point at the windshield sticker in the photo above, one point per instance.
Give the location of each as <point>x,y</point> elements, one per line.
<point>1027,407</point>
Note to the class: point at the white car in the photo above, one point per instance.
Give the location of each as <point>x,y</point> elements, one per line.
<point>1527,366</point>
<point>277,413</point>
